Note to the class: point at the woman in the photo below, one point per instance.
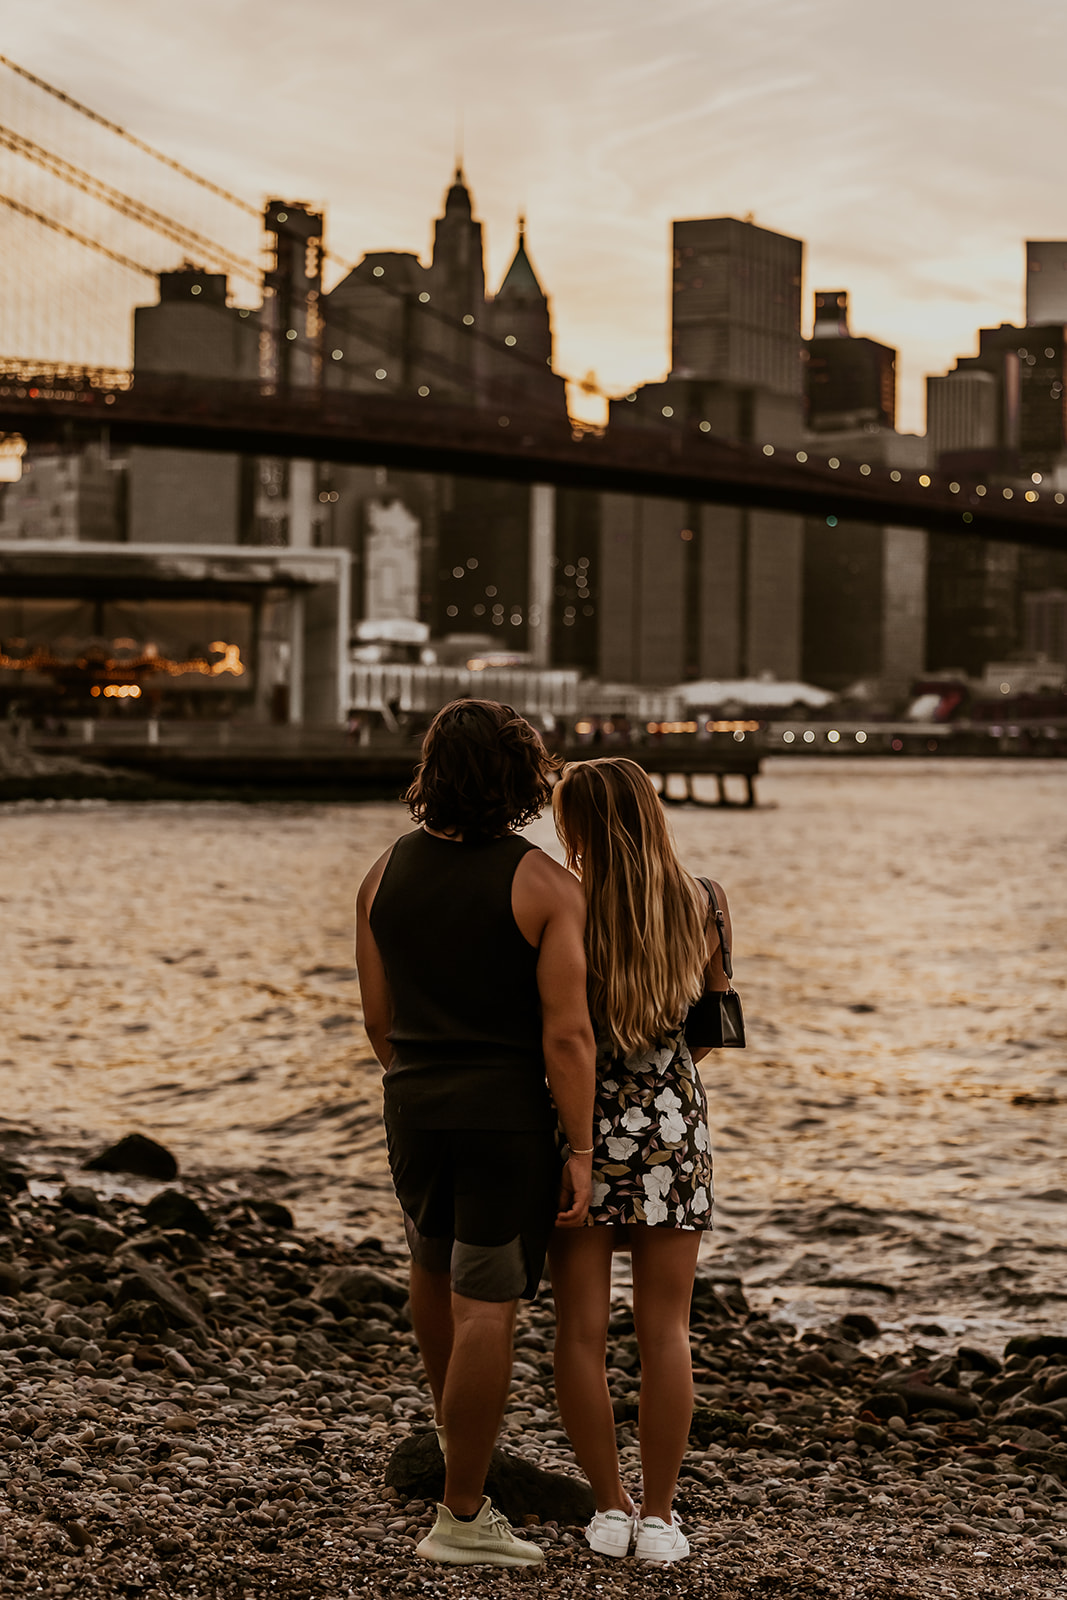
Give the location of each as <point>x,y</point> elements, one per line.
<point>647,945</point>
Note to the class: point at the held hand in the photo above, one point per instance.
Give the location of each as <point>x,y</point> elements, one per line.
<point>576,1192</point>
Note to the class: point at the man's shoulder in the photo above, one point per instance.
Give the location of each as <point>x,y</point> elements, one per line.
<point>546,877</point>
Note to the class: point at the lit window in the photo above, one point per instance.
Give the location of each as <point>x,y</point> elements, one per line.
<point>895,476</point>
<point>479,611</point>
<point>457,572</point>
<point>953,488</point>
<point>687,534</point>
<point>381,373</point>
<point>788,736</point>
<point>1009,494</point>
<point>924,480</point>
<point>809,737</point>
<point>802,455</point>
<point>833,736</point>
<point>861,737</point>
<point>379,272</point>
<point>979,488</point>
<point>1035,477</point>
<point>768,449</point>
<point>705,427</point>
<point>283,216</point>
<point>423,390</point>
<point>453,611</point>
<point>1032,495</point>
<point>195,289</point>
<point>468,321</point>
<point>833,462</point>
<point>472,564</point>
<point>338,355</point>
<point>668,411</point>
<point>865,469</point>
<point>1049,353</point>
<point>511,339</point>
<point>423,298</point>
<point>290,333</point>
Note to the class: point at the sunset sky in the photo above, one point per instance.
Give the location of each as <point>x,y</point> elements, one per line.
<point>913,146</point>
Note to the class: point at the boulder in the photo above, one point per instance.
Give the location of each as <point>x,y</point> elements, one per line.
<point>1037,1344</point>
<point>12,1176</point>
<point>137,1154</point>
<point>347,1291</point>
<point>272,1212</point>
<point>416,1470</point>
<point>148,1282</point>
<point>172,1209</point>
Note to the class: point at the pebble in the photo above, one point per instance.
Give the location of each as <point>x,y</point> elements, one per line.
<point>238,1421</point>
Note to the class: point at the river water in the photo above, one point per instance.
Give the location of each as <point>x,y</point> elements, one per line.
<point>892,1139</point>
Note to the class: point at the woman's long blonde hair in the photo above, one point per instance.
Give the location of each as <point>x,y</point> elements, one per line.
<point>644,937</point>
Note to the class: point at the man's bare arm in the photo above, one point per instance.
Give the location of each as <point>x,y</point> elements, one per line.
<point>567,1033</point>
<point>373,983</point>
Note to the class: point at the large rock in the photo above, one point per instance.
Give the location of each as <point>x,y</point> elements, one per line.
<point>12,1176</point>
<point>148,1282</point>
<point>416,1470</point>
<point>136,1154</point>
<point>1037,1344</point>
<point>347,1291</point>
<point>172,1209</point>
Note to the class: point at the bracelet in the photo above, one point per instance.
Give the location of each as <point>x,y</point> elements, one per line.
<point>588,1152</point>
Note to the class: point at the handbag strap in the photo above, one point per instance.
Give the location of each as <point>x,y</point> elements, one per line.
<point>720,922</point>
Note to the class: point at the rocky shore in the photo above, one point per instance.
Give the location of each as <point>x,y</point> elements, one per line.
<point>197,1400</point>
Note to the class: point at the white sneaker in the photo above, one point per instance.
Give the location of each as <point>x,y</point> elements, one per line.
<point>610,1533</point>
<point>660,1541</point>
<point>487,1541</point>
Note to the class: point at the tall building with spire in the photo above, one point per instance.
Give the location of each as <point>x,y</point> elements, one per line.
<point>397,325</point>
<point>520,324</point>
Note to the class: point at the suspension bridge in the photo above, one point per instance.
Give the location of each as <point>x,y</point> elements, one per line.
<point>79,245</point>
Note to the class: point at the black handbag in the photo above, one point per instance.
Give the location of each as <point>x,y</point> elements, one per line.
<point>716,1021</point>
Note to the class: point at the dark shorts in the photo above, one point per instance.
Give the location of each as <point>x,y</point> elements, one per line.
<point>479,1204</point>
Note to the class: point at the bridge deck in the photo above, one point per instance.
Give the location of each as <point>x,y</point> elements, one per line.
<point>676,461</point>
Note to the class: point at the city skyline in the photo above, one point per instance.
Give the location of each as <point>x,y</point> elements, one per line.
<point>876,146</point>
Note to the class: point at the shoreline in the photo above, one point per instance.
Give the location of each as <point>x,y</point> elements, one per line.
<point>198,1400</point>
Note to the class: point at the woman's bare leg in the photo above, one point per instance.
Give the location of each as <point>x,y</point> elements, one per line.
<point>580,1261</point>
<point>664,1266</point>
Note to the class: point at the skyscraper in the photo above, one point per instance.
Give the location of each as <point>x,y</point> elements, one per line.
<point>848,383</point>
<point>735,304</point>
<point>1046,282</point>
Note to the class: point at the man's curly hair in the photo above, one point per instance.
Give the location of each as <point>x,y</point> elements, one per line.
<point>483,770</point>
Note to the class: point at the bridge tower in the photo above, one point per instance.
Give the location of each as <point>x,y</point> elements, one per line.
<point>290,358</point>
<point>292,292</point>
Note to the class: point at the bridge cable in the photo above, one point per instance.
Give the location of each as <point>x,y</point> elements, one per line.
<point>518,357</point>
<point>131,138</point>
<point>80,238</point>
<point>125,204</point>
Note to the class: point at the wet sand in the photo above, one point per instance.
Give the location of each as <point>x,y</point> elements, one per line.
<point>897,1121</point>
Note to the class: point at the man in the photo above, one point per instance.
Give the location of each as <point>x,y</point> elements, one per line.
<point>469,945</point>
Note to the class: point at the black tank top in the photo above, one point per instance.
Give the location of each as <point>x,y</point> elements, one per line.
<point>466,1031</point>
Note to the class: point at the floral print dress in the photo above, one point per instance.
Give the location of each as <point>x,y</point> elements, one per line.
<point>651,1147</point>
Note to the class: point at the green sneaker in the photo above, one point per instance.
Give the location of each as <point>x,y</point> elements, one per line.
<point>487,1541</point>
